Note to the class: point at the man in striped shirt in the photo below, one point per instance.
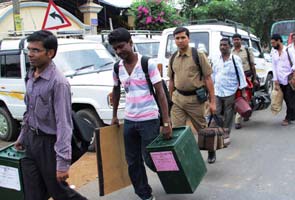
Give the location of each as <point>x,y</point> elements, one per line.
<point>141,123</point>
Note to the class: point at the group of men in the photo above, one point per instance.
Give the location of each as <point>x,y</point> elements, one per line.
<point>47,128</point>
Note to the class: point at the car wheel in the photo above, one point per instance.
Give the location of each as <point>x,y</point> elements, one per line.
<point>9,127</point>
<point>268,84</point>
<point>91,116</point>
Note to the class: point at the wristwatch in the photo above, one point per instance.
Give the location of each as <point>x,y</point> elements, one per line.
<point>165,124</point>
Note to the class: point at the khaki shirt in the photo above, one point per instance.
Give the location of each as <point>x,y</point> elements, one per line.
<point>242,53</point>
<point>186,73</point>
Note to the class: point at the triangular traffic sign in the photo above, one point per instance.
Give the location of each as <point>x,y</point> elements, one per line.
<point>54,18</point>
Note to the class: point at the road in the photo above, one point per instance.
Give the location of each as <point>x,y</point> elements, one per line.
<point>258,165</point>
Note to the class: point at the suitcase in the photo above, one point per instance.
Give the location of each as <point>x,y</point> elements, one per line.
<point>178,161</point>
<point>214,137</point>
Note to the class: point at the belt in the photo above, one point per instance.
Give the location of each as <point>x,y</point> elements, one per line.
<point>39,132</point>
<point>186,93</point>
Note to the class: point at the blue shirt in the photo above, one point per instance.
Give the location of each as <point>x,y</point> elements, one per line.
<point>48,108</point>
<point>225,78</point>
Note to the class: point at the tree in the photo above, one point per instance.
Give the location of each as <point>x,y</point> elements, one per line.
<point>221,10</point>
<point>154,15</point>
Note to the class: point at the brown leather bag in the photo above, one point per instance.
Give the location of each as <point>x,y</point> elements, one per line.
<point>214,137</point>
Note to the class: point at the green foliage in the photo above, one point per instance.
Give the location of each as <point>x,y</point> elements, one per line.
<point>154,15</point>
<point>221,10</point>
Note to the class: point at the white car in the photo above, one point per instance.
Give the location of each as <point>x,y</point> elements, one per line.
<point>88,68</point>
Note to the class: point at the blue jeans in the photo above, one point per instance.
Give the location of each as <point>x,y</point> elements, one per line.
<point>137,135</point>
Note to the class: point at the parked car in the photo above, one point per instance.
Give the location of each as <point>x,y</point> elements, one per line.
<point>207,36</point>
<point>87,66</point>
<point>145,42</point>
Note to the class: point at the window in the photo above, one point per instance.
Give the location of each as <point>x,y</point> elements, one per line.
<point>10,65</point>
<point>197,40</point>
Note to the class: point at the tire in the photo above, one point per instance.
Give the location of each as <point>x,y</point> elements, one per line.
<point>268,84</point>
<point>9,127</point>
<point>91,116</point>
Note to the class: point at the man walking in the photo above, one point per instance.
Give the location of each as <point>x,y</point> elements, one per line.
<point>283,67</point>
<point>226,81</point>
<point>47,131</point>
<point>141,123</point>
<point>247,58</point>
<point>186,77</point>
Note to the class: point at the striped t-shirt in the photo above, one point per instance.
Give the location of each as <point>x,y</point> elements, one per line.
<point>140,104</point>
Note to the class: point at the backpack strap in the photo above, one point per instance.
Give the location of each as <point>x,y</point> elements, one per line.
<point>197,61</point>
<point>171,62</point>
<point>145,69</point>
<point>236,69</point>
<point>289,58</point>
<point>116,70</point>
<point>248,55</point>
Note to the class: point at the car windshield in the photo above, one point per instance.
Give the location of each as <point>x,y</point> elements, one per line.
<point>83,60</point>
<point>149,49</point>
<point>197,39</point>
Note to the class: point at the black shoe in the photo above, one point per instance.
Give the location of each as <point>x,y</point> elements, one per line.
<point>211,157</point>
<point>238,126</point>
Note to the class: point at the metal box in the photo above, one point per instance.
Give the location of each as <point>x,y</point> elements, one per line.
<point>178,161</point>
<point>11,185</point>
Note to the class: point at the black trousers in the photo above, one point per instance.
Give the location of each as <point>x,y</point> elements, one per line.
<point>39,170</point>
<point>289,98</point>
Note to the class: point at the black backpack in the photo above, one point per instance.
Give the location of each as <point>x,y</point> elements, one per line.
<point>144,64</point>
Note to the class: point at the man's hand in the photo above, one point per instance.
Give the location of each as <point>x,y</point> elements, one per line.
<point>62,176</point>
<point>277,85</point>
<point>18,146</point>
<point>244,93</point>
<point>115,120</point>
<point>212,107</point>
<point>167,132</point>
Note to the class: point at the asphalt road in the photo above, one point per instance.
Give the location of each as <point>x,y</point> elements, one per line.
<point>258,165</point>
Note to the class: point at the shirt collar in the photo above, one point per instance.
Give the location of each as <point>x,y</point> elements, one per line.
<point>46,74</point>
<point>188,52</point>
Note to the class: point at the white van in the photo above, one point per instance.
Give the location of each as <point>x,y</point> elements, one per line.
<point>87,66</point>
<point>208,36</point>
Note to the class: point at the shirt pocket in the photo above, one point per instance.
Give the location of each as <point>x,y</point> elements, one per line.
<point>42,108</point>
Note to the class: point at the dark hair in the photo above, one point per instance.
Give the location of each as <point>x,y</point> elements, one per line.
<point>227,40</point>
<point>277,37</point>
<point>236,35</point>
<point>47,38</point>
<point>180,30</point>
<point>119,35</point>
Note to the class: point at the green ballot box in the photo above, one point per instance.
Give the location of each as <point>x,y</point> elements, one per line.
<point>11,186</point>
<point>178,161</point>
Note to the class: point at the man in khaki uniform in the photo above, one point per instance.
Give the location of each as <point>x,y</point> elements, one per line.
<point>184,77</point>
<point>248,66</point>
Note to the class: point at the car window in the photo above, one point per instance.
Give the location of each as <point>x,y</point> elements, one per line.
<point>149,49</point>
<point>73,60</point>
<point>10,66</point>
<point>197,39</point>
<point>256,47</point>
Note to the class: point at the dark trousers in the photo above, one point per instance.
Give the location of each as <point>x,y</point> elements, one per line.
<point>137,135</point>
<point>39,170</point>
<point>289,98</point>
<point>225,109</point>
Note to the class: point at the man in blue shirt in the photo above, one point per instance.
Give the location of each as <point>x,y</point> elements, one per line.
<point>226,81</point>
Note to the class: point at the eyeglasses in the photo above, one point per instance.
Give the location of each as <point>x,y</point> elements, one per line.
<point>33,50</point>
<point>126,85</point>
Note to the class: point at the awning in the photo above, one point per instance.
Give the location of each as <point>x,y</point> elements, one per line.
<point>118,4</point>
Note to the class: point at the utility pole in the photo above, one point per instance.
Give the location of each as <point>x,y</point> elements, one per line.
<point>16,17</point>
